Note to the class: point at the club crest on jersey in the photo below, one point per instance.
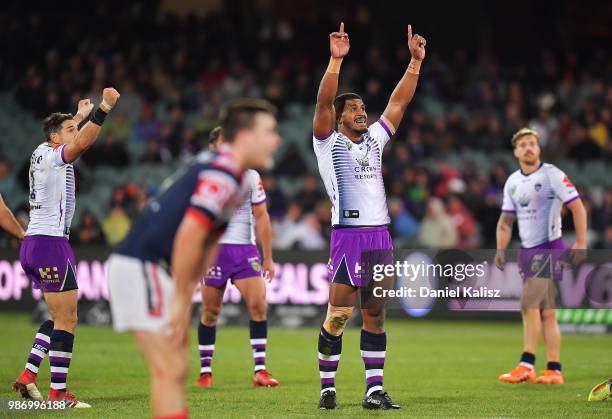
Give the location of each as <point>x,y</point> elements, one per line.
<point>365,160</point>
<point>537,187</point>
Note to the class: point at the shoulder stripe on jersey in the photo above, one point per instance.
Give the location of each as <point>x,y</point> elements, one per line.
<point>226,170</point>
<point>325,137</point>
<point>571,200</point>
<point>384,125</point>
<point>201,216</point>
<point>62,155</point>
<point>259,203</point>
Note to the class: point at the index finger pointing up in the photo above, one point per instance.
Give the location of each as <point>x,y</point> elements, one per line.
<point>341,27</point>
<point>409,32</point>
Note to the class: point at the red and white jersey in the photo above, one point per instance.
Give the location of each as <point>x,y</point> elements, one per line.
<point>352,174</point>
<point>240,229</point>
<point>537,200</point>
<point>52,192</point>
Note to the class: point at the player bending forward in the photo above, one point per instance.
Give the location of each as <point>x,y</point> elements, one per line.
<point>46,256</point>
<point>535,195</point>
<point>349,154</point>
<point>238,260</point>
<point>154,272</point>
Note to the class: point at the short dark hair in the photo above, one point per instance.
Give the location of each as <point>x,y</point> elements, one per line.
<point>240,114</point>
<point>340,101</point>
<point>214,135</point>
<point>53,123</point>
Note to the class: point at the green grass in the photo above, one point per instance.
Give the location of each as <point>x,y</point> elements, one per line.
<point>433,369</point>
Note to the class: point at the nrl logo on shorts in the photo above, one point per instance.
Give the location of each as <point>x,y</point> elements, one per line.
<point>255,264</point>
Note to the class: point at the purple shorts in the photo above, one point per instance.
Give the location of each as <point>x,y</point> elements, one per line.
<point>48,262</point>
<point>234,262</point>
<point>542,261</point>
<point>349,245</point>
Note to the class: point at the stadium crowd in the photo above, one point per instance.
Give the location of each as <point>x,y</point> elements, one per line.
<point>175,72</point>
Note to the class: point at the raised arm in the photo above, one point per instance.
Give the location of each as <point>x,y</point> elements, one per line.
<point>404,91</point>
<point>89,133</point>
<point>503,235</point>
<point>325,116</point>
<point>8,221</point>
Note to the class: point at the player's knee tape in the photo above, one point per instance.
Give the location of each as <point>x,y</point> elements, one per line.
<point>337,318</point>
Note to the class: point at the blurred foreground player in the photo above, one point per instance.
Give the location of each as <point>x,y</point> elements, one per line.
<point>154,271</point>
<point>349,155</point>
<point>535,195</point>
<point>601,392</point>
<point>238,260</point>
<point>8,221</point>
<point>46,256</point>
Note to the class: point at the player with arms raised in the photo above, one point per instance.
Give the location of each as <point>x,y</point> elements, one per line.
<point>154,271</point>
<point>349,155</point>
<point>46,256</point>
<point>238,260</point>
<point>535,195</point>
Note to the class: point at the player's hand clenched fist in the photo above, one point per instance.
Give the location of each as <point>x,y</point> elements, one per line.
<point>110,96</point>
<point>84,108</point>
<point>339,43</point>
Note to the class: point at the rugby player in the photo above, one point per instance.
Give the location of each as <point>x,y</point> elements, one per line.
<point>154,271</point>
<point>238,260</point>
<point>46,256</point>
<point>535,195</point>
<point>349,155</point>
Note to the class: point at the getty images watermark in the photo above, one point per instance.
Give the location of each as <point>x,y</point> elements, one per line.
<point>411,271</point>
<point>472,280</point>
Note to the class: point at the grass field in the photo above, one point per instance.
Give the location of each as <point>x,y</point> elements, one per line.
<point>433,369</point>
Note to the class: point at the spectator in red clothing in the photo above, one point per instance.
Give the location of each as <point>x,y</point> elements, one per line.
<point>464,222</point>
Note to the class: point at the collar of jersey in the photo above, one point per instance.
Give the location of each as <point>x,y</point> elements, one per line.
<point>541,164</point>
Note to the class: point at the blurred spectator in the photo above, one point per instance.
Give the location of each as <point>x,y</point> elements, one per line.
<point>107,152</point>
<point>437,229</point>
<point>116,225</point>
<point>89,231</point>
<point>404,225</point>
<point>464,223</point>
<point>310,194</point>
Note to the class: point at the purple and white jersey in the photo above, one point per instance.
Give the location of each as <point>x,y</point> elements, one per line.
<point>240,229</point>
<point>537,200</point>
<point>352,174</point>
<point>52,197</point>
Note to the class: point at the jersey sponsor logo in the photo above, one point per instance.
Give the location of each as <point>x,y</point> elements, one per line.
<point>524,201</point>
<point>537,187</point>
<point>350,213</point>
<point>213,190</point>
<point>568,183</point>
<point>260,185</point>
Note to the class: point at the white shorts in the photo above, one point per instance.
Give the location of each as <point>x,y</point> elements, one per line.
<point>141,294</point>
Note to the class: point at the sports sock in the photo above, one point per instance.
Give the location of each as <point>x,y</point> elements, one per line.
<point>528,360</point>
<point>40,347</point>
<point>330,348</point>
<point>206,344</point>
<point>258,331</point>
<point>60,354</point>
<point>553,365</point>
<point>373,350</point>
